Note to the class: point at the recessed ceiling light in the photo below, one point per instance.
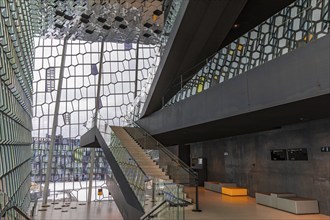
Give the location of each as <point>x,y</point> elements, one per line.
<point>236,26</point>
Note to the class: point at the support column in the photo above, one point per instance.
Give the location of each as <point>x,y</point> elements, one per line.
<point>97,103</point>
<point>136,66</point>
<point>55,122</point>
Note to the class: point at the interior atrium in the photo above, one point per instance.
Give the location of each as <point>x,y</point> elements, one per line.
<point>164,109</point>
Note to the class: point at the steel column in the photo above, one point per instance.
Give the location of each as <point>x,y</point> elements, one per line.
<point>97,103</point>
<point>55,121</point>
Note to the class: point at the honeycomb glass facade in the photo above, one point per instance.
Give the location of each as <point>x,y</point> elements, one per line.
<point>115,46</point>
<point>121,83</point>
<point>16,69</point>
<point>291,28</point>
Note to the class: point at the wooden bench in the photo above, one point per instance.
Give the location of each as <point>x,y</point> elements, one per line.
<point>217,186</point>
<point>234,191</point>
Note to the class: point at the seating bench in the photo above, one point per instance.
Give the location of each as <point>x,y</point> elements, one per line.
<point>274,198</point>
<point>217,186</point>
<point>264,199</point>
<point>270,199</point>
<point>298,205</point>
<point>288,202</point>
<point>234,191</point>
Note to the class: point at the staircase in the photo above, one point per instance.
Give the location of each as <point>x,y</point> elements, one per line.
<point>131,172</point>
<point>149,167</point>
<point>145,162</point>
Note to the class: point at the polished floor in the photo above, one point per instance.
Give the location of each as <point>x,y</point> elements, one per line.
<point>214,206</point>
<point>95,210</point>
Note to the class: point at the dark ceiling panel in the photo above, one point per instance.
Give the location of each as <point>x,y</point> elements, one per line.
<point>254,12</point>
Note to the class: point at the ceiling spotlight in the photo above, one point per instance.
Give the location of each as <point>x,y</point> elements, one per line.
<point>147,25</point>
<point>119,19</point>
<point>102,20</point>
<point>158,12</point>
<point>122,26</point>
<point>236,26</point>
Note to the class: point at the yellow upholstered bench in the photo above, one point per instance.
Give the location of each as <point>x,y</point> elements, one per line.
<point>234,191</point>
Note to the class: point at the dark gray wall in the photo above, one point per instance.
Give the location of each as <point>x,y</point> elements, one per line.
<point>249,164</point>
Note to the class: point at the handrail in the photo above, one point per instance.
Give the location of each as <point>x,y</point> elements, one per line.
<point>167,152</point>
<point>17,209</point>
<point>181,202</point>
<point>136,163</point>
<point>34,208</point>
<point>155,208</point>
<point>8,207</point>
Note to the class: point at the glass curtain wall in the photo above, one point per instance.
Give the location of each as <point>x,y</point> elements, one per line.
<point>71,165</point>
<point>16,66</point>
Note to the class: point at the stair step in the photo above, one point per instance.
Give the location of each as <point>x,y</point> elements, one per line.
<point>148,165</point>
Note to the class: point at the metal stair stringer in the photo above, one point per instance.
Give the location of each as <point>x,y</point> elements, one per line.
<point>125,198</point>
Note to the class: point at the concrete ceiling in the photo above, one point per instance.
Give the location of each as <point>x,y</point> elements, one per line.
<point>203,28</point>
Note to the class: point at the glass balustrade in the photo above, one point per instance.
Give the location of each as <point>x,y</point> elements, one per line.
<point>293,27</point>
<point>170,163</point>
<point>145,187</point>
<point>134,174</point>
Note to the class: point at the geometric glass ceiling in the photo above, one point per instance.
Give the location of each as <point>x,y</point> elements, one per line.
<point>111,20</point>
